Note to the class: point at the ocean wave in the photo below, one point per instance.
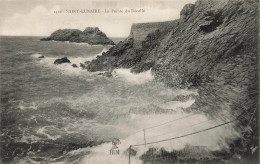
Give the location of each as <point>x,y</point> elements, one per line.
<point>95,56</point>
<point>176,104</point>
<point>29,139</point>
<point>36,55</point>
<point>66,68</point>
<point>44,131</point>
<point>130,77</point>
<point>83,43</point>
<point>125,128</point>
<point>27,106</point>
<point>212,140</point>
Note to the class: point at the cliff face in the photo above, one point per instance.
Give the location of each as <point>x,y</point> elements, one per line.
<point>212,47</point>
<point>91,35</point>
<point>132,52</point>
<point>139,31</point>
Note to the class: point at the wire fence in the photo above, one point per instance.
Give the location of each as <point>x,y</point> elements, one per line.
<point>154,158</point>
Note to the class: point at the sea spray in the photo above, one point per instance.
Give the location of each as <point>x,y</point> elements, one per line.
<point>130,77</point>
<point>210,139</point>
<point>126,127</point>
<point>76,118</point>
<point>66,68</point>
<point>43,131</point>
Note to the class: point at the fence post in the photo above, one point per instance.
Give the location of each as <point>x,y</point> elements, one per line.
<point>144,138</point>
<point>129,155</point>
<point>153,156</point>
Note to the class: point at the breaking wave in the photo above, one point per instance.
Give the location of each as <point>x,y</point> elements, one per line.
<point>66,68</point>
<point>130,77</point>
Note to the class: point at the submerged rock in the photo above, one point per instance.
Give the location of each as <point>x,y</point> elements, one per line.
<point>41,57</point>
<point>74,65</point>
<point>106,74</point>
<point>62,60</point>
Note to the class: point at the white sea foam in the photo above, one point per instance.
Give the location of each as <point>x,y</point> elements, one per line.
<point>29,139</point>
<point>79,43</point>
<point>66,68</point>
<point>177,104</point>
<point>190,123</point>
<point>86,44</point>
<point>130,77</point>
<point>95,56</point>
<point>125,126</point>
<point>36,55</point>
<point>27,106</point>
<point>171,92</point>
<point>44,131</point>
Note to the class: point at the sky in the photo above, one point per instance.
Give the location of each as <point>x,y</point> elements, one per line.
<point>37,17</point>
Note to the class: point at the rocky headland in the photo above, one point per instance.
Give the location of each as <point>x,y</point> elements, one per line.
<point>91,35</point>
<point>212,47</point>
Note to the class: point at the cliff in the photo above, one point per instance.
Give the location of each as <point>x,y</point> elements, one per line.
<point>212,47</point>
<point>130,52</point>
<point>139,31</point>
<point>91,35</point>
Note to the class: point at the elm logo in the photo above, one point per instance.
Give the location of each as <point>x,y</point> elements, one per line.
<point>114,150</point>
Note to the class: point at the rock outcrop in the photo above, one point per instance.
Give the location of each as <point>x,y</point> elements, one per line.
<point>91,35</point>
<point>74,65</point>
<point>106,74</point>
<point>212,47</point>
<point>139,31</point>
<point>187,10</point>
<point>62,60</point>
<point>131,52</point>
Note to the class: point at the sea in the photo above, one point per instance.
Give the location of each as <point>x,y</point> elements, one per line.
<point>61,114</point>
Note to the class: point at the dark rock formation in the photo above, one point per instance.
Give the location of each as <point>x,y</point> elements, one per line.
<point>187,11</point>
<point>64,35</point>
<point>139,31</point>
<point>45,39</point>
<point>133,51</point>
<point>41,57</point>
<point>74,65</point>
<point>213,47</point>
<point>62,60</point>
<point>106,74</point>
<point>91,35</point>
<point>83,66</point>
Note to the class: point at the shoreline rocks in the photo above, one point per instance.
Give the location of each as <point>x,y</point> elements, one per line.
<point>106,74</point>
<point>74,65</point>
<point>62,60</point>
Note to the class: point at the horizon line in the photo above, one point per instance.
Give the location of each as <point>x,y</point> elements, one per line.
<point>47,36</point>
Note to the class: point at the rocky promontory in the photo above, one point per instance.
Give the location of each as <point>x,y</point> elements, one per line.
<point>213,47</point>
<point>91,35</point>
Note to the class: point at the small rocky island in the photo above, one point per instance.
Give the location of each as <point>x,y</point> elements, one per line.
<point>91,35</point>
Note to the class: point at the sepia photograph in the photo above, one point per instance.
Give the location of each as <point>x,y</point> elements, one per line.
<point>129,81</point>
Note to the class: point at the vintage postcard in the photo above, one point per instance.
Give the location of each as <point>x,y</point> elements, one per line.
<point>129,81</point>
